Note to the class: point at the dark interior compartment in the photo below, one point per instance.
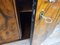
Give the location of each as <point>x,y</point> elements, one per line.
<point>24,16</point>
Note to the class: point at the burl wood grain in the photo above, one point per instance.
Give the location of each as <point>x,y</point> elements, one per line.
<point>9,30</point>
<point>42,29</point>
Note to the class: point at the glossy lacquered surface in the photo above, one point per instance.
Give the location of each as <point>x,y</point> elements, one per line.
<point>9,29</point>
<point>47,17</point>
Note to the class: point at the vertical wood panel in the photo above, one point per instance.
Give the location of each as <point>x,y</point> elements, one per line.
<point>42,29</point>
<point>9,29</point>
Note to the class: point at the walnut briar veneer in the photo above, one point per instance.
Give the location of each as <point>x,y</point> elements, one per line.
<point>9,27</point>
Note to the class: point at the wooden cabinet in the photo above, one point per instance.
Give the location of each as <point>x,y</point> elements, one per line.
<point>9,27</point>
<point>47,17</point>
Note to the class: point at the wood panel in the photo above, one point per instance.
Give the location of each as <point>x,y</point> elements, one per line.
<point>47,17</point>
<point>9,29</point>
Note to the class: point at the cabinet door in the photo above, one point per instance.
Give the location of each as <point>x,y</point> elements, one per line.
<point>9,27</point>
<point>46,19</point>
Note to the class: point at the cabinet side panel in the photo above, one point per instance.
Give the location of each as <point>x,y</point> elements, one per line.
<point>8,22</point>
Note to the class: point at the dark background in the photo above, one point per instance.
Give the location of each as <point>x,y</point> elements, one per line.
<point>24,18</point>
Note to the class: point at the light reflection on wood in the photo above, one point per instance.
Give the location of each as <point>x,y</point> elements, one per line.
<point>42,29</point>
